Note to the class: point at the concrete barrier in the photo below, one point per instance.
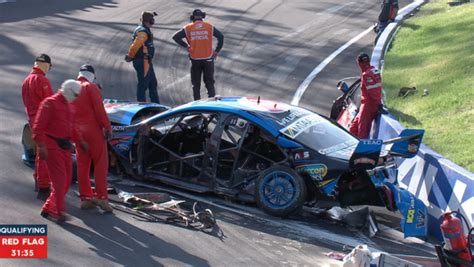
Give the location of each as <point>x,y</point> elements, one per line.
<point>439,183</point>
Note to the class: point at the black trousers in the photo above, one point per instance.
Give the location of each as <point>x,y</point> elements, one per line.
<point>205,69</point>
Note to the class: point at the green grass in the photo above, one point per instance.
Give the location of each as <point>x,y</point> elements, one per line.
<point>435,50</point>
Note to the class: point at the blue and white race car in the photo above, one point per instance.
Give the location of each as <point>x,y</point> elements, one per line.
<point>277,155</point>
<point>119,112</point>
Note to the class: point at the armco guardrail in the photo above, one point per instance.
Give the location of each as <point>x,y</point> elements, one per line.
<point>438,182</point>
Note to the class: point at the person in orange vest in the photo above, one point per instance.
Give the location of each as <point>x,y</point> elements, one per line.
<point>94,127</point>
<point>198,36</point>
<point>141,52</point>
<point>36,87</point>
<point>371,97</point>
<point>53,131</point>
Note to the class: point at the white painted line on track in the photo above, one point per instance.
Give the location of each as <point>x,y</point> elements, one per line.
<point>304,85</point>
<point>324,14</point>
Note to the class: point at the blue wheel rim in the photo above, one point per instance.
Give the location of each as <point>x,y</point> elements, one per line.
<point>278,190</point>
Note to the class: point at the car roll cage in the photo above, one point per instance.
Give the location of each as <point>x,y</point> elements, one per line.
<point>210,153</point>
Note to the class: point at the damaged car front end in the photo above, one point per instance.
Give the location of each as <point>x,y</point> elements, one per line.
<point>361,172</point>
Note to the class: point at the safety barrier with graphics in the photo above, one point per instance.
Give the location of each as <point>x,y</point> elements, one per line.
<point>438,182</point>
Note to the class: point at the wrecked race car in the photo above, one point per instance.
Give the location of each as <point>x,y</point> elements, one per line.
<point>277,155</point>
<point>345,108</point>
<point>121,113</point>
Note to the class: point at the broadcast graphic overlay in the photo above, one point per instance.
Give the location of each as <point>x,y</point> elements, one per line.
<point>24,241</point>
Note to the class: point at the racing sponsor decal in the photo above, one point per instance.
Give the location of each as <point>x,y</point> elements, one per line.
<point>421,219</point>
<point>294,114</point>
<point>338,147</point>
<point>410,216</point>
<point>417,216</point>
<point>301,155</point>
<point>316,171</point>
<point>118,128</point>
<point>299,126</point>
<point>372,142</point>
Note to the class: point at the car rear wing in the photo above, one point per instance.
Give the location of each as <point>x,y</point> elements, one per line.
<point>407,144</point>
<point>367,153</point>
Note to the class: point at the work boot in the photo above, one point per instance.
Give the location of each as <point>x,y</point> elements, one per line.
<point>104,205</point>
<point>87,205</point>
<point>43,193</point>
<point>64,217</point>
<point>44,214</point>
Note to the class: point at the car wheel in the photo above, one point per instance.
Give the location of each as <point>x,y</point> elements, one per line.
<point>280,191</point>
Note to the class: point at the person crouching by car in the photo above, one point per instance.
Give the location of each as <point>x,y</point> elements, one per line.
<point>36,87</point>
<point>94,127</point>
<point>53,131</point>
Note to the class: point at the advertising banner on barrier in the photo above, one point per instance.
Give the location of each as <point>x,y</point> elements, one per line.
<point>439,183</point>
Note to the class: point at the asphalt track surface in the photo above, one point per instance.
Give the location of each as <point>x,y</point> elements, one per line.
<point>270,47</point>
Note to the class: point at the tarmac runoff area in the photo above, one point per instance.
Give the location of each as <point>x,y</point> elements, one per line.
<point>314,228</point>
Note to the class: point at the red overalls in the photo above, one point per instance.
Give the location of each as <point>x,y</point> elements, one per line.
<point>91,122</point>
<point>55,120</point>
<point>371,89</point>
<point>36,87</point>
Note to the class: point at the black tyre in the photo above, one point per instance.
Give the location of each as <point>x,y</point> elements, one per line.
<point>280,191</point>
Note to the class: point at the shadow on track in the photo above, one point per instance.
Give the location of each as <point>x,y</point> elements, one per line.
<point>29,9</point>
<point>118,241</point>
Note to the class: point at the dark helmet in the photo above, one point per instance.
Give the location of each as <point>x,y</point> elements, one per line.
<point>87,67</point>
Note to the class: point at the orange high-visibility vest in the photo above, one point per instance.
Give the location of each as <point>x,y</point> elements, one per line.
<point>199,37</point>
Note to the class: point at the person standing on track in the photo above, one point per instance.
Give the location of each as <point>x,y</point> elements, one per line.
<point>141,52</point>
<point>371,97</point>
<point>53,130</point>
<point>388,13</point>
<point>199,35</point>
<point>94,127</point>
<point>36,87</point>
